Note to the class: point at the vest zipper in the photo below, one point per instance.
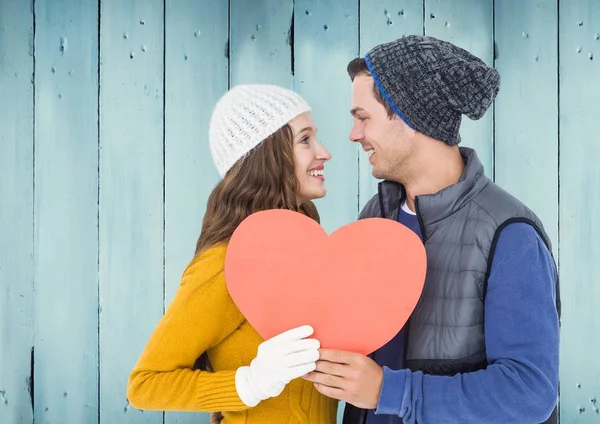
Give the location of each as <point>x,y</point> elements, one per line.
<point>380,197</point>
<point>421,225</point>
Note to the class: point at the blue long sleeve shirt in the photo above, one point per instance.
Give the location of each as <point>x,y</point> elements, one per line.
<point>520,384</point>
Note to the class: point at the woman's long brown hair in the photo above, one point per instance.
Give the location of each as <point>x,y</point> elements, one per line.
<point>264,179</point>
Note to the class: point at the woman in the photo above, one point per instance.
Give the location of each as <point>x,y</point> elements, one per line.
<point>263,142</point>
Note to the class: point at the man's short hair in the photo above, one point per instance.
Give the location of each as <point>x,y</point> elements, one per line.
<point>358,67</point>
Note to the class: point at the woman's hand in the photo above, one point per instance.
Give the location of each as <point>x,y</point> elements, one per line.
<point>280,359</point>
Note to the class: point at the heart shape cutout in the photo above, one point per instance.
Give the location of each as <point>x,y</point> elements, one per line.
<point>356,287</point>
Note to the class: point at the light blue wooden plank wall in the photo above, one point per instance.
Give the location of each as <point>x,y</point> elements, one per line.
<point>526,124</point>
<point>260,49</point>
<point>66,210</point>
<point>131,195</point>
<point>579,26</point>
<point>104,182</point>
<point>16,210</point>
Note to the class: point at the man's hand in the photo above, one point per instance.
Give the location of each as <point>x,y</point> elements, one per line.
<point>349,377</point>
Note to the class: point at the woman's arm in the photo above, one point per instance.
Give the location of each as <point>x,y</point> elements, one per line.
<point>201,316</point>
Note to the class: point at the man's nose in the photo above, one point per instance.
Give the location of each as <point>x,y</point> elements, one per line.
<point>356,134</point>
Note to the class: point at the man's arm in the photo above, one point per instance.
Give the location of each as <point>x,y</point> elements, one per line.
<point>522,340</point>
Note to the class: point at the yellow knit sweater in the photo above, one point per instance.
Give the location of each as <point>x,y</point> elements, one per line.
<point>203,317</point>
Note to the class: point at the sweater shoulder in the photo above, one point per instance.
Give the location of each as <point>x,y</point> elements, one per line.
<point>204,277</point>
<point>206,265</point>
<point>203,285</point>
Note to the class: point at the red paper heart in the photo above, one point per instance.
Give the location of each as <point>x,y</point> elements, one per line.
<point>357,287</point>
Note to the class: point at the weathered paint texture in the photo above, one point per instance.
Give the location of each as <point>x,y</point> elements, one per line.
<point>105,167</point>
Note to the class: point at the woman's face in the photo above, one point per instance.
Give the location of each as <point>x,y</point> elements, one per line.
<point>309,159</point>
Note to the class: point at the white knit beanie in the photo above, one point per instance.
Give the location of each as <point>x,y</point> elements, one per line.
<point>245,116</point>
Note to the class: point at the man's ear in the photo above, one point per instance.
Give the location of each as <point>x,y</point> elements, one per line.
<point>406,130</point>
<point>401,129</point>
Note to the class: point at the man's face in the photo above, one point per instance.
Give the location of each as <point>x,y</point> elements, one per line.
<point>387,141</point>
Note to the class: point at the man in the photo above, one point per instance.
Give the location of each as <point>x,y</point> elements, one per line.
<point>482,345</point>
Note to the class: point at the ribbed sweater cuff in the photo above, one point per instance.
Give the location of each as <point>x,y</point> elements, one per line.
<point>222,394</point>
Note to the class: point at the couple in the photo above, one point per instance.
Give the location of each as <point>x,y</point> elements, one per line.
<point>483,342</point>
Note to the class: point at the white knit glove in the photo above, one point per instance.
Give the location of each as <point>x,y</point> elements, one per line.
<point>281,359</point>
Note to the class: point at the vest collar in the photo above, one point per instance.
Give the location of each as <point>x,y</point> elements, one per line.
<point>435,207</point>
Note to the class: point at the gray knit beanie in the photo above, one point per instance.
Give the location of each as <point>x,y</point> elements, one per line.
<point>431,83</point>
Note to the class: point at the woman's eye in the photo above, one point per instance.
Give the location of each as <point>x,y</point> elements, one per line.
<point>305,140</point>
